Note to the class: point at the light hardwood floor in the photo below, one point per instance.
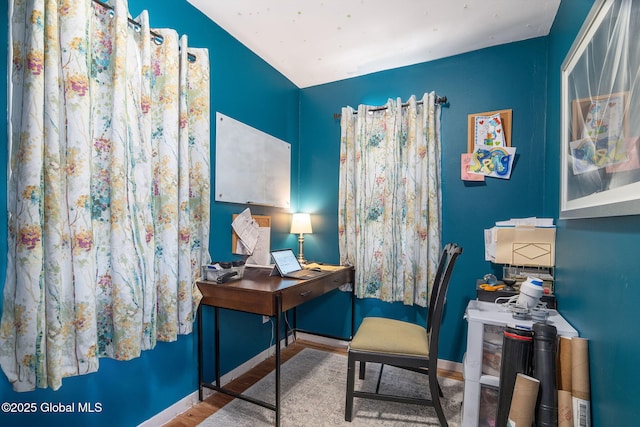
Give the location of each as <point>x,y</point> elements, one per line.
<point>198,413</point>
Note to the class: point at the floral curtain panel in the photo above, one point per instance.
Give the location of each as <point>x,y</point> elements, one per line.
<point>108,189</point>
<point>390,198</point>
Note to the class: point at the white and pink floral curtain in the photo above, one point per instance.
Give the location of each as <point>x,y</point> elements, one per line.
<point>108,193</point>
<point>389,208</point>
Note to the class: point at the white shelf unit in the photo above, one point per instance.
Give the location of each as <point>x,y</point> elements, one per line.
<point>478,315</point>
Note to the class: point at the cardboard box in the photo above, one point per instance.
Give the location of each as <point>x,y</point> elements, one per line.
<point>525,245</point>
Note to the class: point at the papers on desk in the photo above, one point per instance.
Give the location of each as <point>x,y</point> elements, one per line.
<point>531,222</point>
<point>253,239</point>
<point>521,241</point>
<point>247,230</point>
<point>253,265</point>
<point>323,267</point>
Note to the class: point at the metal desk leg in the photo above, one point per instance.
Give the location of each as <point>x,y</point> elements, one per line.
<point>295,324</point>
<point>217,344</point>
<point>200,368</point>
<point>353,310</point>
<point>279,313</point>
<point>286,329</point>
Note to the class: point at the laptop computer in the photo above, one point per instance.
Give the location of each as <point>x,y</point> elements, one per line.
<point>288,266</point>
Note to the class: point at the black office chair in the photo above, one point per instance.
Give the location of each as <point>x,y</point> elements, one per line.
<point>403,345</point>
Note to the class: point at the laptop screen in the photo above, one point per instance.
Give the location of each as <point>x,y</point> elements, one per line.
<point>286,261</point>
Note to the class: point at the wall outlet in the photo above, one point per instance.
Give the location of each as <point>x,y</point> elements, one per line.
<point>265,319</point>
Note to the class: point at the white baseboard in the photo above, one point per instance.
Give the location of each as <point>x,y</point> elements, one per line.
<point>172,411</point>
<point>190,400</point>
<point>322,340</point>
<point>446,365</point>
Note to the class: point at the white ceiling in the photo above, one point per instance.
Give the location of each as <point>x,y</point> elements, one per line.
<point>319,41</point>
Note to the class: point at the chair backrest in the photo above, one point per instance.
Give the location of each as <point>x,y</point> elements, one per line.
<point>436,310</point>
<point>444,259</point>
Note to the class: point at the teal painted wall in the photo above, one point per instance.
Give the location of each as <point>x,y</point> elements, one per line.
<point>598,272</point>
<point>511,76</point>
<point>247,89</point>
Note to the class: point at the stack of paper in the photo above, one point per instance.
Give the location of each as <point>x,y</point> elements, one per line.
<point>521,241</point>
<point>247,230</point>
<point>531,221</point>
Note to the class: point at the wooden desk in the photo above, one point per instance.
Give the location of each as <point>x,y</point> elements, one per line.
<point>258,292</point>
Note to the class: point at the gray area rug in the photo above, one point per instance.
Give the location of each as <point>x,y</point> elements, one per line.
<point>313,385</point>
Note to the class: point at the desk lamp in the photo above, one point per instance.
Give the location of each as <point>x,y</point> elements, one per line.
<point>301,225</point>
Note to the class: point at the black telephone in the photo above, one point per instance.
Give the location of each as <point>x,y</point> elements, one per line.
<point>226,277</point>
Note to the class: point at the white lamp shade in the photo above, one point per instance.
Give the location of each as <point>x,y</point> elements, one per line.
<point>301,223</point>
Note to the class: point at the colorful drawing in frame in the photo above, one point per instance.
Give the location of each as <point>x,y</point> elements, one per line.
<point>599,98</point>
<point>605,118</point>
<point>633,159</point>
<point>589,155</point>
<point>495,162</point>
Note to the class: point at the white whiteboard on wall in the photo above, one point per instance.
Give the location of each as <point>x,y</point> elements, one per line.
<point>252,167</point>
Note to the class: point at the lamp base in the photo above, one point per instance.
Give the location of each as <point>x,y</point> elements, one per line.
<point>301,259</point>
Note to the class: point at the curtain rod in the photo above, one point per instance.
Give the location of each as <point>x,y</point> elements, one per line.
<point>157,38</point>
<point>439,100</point>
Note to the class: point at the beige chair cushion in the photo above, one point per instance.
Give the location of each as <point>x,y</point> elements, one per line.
<point>382,335</point>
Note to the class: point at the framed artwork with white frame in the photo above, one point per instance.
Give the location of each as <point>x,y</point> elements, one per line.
<point>600,122</point>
